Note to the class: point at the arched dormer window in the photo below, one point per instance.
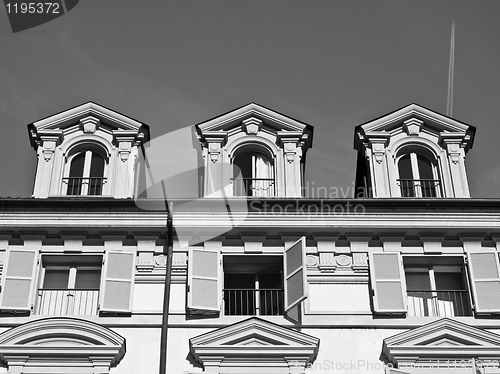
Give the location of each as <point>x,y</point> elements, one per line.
<point>254,175</point>
<point>85,173</point>
<point>418,176</point>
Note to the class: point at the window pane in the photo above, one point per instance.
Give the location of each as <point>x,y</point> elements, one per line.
<point>404,166</point>
<point>424,167</point>
<point>449,281</point>
<point>97,166</point>
<point>244,162</point>
<point>88,279</point>
<point>56,279</point>
<point>418,281</point>
<point>76,170</point>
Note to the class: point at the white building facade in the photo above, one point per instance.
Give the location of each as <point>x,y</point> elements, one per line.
<point>404,278</point>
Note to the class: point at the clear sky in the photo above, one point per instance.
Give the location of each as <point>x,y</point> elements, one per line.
<point>333,64</point>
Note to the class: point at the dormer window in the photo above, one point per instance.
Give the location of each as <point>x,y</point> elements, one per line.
<point>86,174</point>
<point>412,152</point>
<point>418,176</point>
<point>254,175</point>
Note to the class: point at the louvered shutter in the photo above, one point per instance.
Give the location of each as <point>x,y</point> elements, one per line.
<point>294,265</point>
<point>388,282</point>
<point>18,280</point>
<point>117,282</point>
<point>204,274</point>
<point>485,280</point>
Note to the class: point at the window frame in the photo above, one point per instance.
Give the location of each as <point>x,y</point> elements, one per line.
<point>254,150</point>
<point>413,153</point>
<point>88,150</point>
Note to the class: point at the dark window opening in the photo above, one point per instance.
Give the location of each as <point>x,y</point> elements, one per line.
<point>253,285</point>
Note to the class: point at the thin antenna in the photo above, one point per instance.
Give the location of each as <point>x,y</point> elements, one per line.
<point>451,73</point>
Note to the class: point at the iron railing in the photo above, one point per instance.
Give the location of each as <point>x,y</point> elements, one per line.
<point>420,187</point>
<point>84,186</point>
<point>263,187</point>
<point>67,302</point>
<point>441,303</point>
<point>251,302</point>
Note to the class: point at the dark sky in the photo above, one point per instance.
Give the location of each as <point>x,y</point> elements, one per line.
<point>331,64</point>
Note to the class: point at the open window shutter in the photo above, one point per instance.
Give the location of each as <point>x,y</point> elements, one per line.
<point>18,280</point>
<point>388,282</point>
<point>294,265</point>
<point>117,282</point>
<point>204,273</point>
<point>485,279</point>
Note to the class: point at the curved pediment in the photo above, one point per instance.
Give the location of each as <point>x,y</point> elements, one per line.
<point>254,337</point>
<point>53,338</point>
<point>444,338</point>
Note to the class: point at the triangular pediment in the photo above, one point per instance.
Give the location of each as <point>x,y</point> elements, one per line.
<point>108,117</point>
<point>254,329</point>
<point>254,337</point>
<point>442,338</point>
<point>412,119</point>
<point>252,117</point>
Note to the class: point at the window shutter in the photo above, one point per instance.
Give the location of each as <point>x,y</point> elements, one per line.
<point>117,282</point>
<point>485,279</point>
<point>294,265</point>
<point>204,274</point>
<point>388,282</point>
<point>18,280</point>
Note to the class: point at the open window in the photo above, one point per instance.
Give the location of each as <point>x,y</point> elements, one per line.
<point>257,175</point>
<point>418,176</point>
<point>246,284</point>
<point>253,285</point>
<point>85,174</point>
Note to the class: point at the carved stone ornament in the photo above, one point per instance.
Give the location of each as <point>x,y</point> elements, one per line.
<point>89,124</point>
<point>412,126</point>
<point>214,156</point>
<point>454,152</point>
<point>252,125</point>
<point>290,156</point>
<point>48,149</point>
<point>47,155</point>
<point>343,260</point>
<point>311,260</point>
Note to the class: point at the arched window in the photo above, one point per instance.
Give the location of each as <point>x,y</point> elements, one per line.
<point>418,176</point>
<point>254,175</point>
<point>86,174</point>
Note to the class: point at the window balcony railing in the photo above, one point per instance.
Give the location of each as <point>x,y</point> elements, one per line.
<point>439,303</point>
<point>263,187</point>
<point>67,302</point>
<point>83,186</point>
<point>250,302</point>
<point>420,187</point>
